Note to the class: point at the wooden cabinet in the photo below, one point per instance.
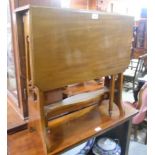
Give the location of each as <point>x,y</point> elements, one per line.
<point>78,4</point>
<point>16,73</point>
<point>141,34</point>
<point>11,73</point>
<point>139,44</point>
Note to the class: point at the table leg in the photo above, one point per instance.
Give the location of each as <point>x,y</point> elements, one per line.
<point>119,94</point>
<point>112,89</point>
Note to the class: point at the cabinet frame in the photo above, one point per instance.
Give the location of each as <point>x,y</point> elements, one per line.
<point>19,103</point>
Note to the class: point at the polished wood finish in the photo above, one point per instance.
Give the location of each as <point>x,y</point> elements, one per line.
<point>22,63</point>
<point>68,39</point>
<point>73,129</point>
<point>18,53</point>
<point>39,120</point>
<point>27,51</point>
<point>54,96</point>
<point>19,56</point>
<point>53,3</point>
<point>119,93</point>
<point>112,90</point>
<point>15,122</point>
<point>76,102</point>
<point>20,3</point>
<point>25,142</point>
<point>87,86</point>
<point>139,44</point>
<point>78,4</point>
<point>63,47</point>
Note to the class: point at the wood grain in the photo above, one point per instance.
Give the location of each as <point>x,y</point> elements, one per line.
<point>68,46</point>
<point>14,121</point>
<point>80,4</point>
<point>120,88</point>
<point>112,90</point>
<point>70,130</point>
<point>83,87</point>
<point>52,3</point>
<point>83,124</point>
<point>76,102</point>
<point>19,58</point>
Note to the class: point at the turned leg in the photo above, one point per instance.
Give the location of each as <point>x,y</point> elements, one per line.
<point>112,90</point>
<point>119,93</point>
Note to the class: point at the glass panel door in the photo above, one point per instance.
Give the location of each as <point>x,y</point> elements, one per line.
<point>11,74</point>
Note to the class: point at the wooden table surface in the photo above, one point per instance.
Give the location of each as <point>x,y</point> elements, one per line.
<point>69,130</point>
<point>14,121</point>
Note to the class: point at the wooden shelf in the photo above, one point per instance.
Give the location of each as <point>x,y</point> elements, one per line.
<point>70,130</point>
<point>83,87</point>
<point>14,121</point>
